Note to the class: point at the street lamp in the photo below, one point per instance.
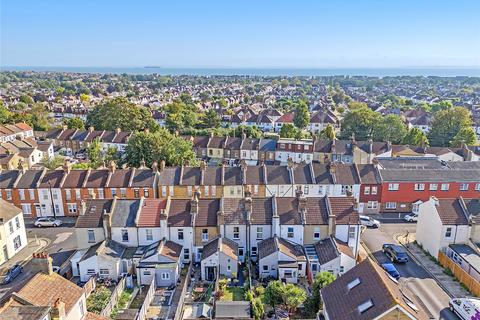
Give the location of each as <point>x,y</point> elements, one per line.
<point>51,199</point>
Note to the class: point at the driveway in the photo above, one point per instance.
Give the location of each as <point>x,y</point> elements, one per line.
<point>416,279</point>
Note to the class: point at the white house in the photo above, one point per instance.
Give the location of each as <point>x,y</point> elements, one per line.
<point>442,222</point>
<point>282,259</point>
<point>13,237</point>
<point>219,256</point>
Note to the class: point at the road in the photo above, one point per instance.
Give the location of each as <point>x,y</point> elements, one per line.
<point>413,276</point>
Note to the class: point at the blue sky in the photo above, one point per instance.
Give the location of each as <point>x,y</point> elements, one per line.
<point>346,33</point>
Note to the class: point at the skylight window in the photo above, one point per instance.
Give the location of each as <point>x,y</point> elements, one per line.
<point>365,306</point>
<point>353,283</point>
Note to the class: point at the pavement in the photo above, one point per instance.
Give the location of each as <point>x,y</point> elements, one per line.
<point>448,283</point>
<point>414,279</point>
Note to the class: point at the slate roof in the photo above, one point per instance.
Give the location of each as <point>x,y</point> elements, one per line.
<point>125,212</point>
<point>374,285</point>
<point>346,174</point>
<point>234,211</point>
<point>287,209</point>
<point>108,248</point>
<point>169,176</point>
<point>207,212</point>
<point>179,213</point>
<point>254,175</point>
<point>93,217</point>
<point>212,176</point>
<point>233,176</point>
<point>120,178</point>
<point>221,244</point>
<point>143,178</point>
<point>29,179</point>
<point>262,211</point>
<point>75,179</point>
<point>368,174</point>
<point>322,173</point>
<point>278,175</point>
<point>430,175</point>
<point>316,213</point>
<point>326,250</point>
<point>54,177</point>
<point>97,178</point>
<point>302,174</point>
<point>451,213</point>
<point>191,176</point>
<point>274,244</point>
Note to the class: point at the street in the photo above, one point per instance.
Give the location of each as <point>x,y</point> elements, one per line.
<point>413,277</point>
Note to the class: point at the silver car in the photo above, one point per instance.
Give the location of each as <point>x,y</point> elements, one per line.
<point>369,222</point>
<point>47,222</point>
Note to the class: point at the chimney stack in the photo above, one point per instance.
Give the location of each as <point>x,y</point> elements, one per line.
<point>64,127</point>
<point>162,165</point>
<point>42,262</point>
<point>91,129</point>
<point>155,166</point>
<point>58,310</point>
<point>66,166</point>
<point>21,166</point>
<point>112,166</point>
<point>290,162</point>
<point>203,165</point>
<point>107,224</point>
<point>118,130</point>
<point>331,224</point>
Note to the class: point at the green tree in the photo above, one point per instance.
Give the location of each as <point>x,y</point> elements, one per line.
<point>111,155</point>
<point>75,123</point>
<point>40,119</point>
<point>5,115</point>
<point>302,115</point>
<point>157,146</point>
<point>447,124</point>
<point>288,130</point>
<point>328,133</point>
<point>389,128</point>
<point>52,163</point>
<point>210,119</point>
<point>94,152</point>
<point>120,113</point>
<point>26,99</point>
<point>293,296</point>
<point>180,116</point>
<point>466,135</point>
<point>321,280</point>
<point>441,105</point>
<point>359,121</point>
<point>415,137</point>
<point>258,308</point>
<point>85,98</point>
<point>273,293</point>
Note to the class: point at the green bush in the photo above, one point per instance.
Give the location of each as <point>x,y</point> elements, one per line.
<point>98,300</point>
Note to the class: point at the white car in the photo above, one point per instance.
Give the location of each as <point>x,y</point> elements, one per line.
<point>465,308</point>
<point>47,222</point>
<point>369,222</point>
<point>411,217</point>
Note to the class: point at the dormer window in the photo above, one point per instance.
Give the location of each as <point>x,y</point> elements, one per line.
<point>365,306</point>
<point>353,284</point>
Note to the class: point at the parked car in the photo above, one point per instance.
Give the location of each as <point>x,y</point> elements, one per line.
<point>465,308</point>
<point>369,222</point>
<point>411,217</point>
<point>11,274</point>
<point>391,270</point>
<point>47,222</point>
<point>395,252</point>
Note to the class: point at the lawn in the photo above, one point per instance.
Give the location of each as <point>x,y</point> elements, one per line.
<point>234,294</point>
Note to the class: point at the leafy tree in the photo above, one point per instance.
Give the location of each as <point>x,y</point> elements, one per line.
<point>466,135</point>
<point>359,121</point>
<point>94,152</point>
<point>389,128</point>
<point>26,99</point>
<point>5,115</point>
<point>447,124</point>
<point>293,296</point>
<point>75,123</point>
<point>328,133</point>
<point>273,293</point>
<point>288,130</point>
<point>85,98</point>
<point>40,119</point>
<point>321,280</point>
<point>111,155</point>
<point>157,146</point>
<point>441,105</point>
<point>258,308</point>
<point>210,119</point>
<point>120,113</point>
<point>52,163</point>
<point>302,115</point>
<point>415,137</point>
<point>180,116</point>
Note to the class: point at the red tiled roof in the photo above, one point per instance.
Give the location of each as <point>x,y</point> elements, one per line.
<point>150,212</point>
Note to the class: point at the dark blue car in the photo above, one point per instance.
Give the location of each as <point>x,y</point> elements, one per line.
<point>395,253</point>
<point>11,274</point>
<point>391,270</point>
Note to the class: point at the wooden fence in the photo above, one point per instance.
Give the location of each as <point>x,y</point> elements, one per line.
<point>142,315</point>
<point>113,298</point>
<point>181,302</point>
<point>472,284</point>
<point>90,286</point>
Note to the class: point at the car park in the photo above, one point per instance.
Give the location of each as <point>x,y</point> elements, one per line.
<point>391,270</point>
<point>47,222</point>
<point>10,274</point>
<point>395,253</point>
<point>369,222</point>
<point>411,217</point>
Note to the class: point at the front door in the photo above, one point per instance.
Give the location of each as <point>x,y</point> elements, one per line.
<point>5,252</point>
<point>210,273</point>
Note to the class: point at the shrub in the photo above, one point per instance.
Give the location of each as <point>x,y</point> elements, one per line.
<point>98,299</point>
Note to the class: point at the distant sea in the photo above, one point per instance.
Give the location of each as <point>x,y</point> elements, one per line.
<point>372,72</point>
